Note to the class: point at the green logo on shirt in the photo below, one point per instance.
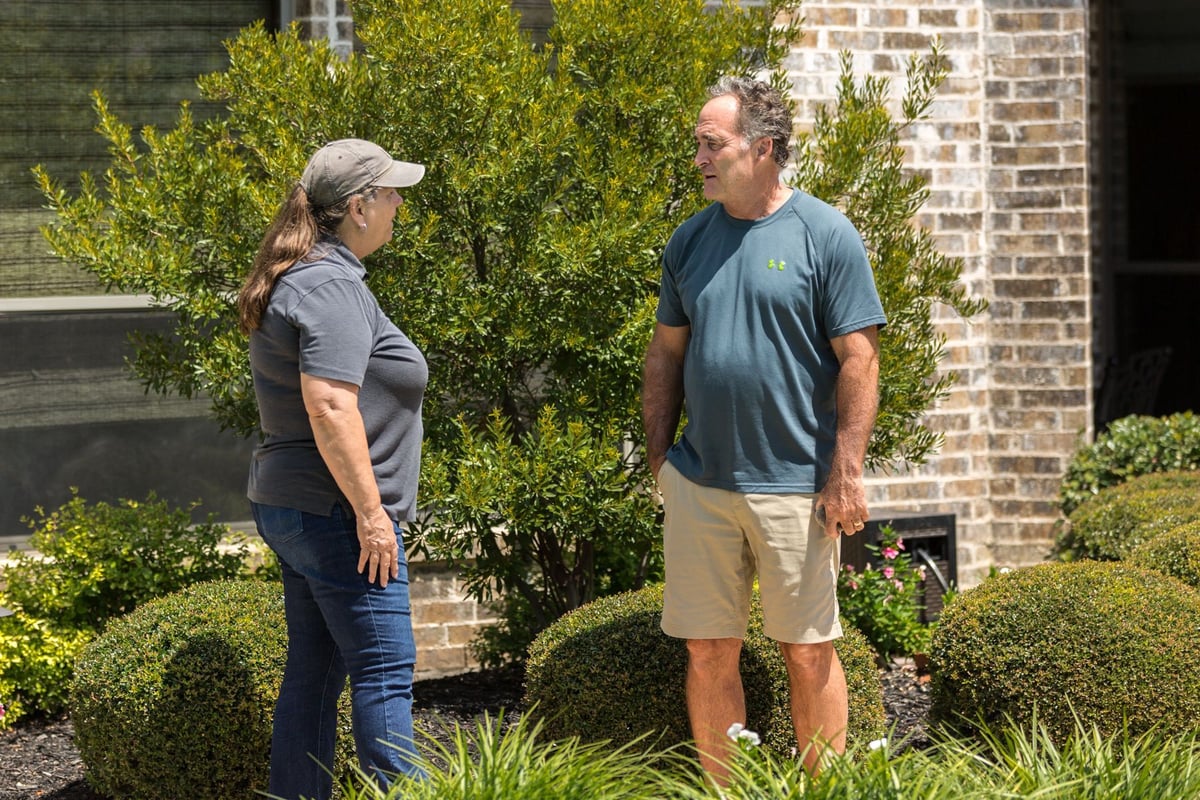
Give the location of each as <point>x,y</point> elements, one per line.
<point>773,264</point>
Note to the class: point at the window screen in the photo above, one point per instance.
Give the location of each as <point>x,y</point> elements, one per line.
<point>144,55</point>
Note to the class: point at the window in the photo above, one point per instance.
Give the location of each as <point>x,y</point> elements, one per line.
<point>144,55</point>
<point>1164,171</point>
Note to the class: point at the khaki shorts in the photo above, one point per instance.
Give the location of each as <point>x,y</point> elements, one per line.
<point>715,541</point>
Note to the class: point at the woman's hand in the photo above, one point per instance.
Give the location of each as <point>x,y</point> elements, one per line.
<point>380,556</point>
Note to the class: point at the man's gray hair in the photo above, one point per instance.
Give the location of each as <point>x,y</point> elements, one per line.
<point>762,111</point>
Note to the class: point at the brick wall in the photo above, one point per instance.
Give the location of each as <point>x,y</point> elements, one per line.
<point>1006,152</point>
<point>445,620</point>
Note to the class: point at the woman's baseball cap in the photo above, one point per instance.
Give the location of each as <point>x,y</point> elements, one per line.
<point>347,166</point>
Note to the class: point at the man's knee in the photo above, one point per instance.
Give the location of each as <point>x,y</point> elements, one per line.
<point>808,660</point>
<point>714,656</point>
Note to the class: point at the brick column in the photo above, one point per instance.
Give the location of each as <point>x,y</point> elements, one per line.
<point>1005,153</point>
<point>1038,246</point>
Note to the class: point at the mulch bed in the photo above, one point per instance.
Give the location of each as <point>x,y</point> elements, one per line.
<point>39,760</point>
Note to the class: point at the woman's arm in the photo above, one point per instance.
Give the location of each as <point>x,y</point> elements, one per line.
<point>342,441</point>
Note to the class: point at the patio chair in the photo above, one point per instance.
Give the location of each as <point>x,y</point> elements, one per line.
<point>1130,385</point>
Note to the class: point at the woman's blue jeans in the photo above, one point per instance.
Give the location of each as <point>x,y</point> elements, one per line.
<point>338,625</point>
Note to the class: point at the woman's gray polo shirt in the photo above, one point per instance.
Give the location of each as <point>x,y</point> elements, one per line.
<point>322,320</point>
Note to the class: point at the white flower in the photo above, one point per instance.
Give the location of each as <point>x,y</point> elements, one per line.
<point>878,744</point>
<point>738,732</point>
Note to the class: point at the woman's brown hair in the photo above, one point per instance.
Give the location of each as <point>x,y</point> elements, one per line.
<point>292,234</point>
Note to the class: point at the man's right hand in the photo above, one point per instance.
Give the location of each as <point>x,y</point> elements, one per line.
<point>662,392</point>
<point>655,463</point>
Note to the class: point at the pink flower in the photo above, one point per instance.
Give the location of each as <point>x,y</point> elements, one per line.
<point>899,585</point>
<point>849,568</point>
<point>900,543</point>
<point>853,585</point>
<point>888,572</point>
<point>890,552</point>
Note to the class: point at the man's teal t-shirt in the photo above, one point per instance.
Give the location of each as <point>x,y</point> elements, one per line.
<point>763,299</point>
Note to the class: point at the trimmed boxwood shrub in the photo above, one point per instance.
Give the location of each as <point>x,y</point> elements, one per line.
<point>1131,446</point>
<point>1175,553</point>
<point>1110,525</point>
<point>1114,644</point>
<point>606,671</point>
<point>176,699</point>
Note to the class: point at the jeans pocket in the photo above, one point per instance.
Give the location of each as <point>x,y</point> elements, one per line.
<point>278,523</point>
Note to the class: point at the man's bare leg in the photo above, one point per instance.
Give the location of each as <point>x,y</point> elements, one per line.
<point>820,706</point>
<point>715,700</point>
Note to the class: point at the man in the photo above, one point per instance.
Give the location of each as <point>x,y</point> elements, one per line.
<point>767,323</point>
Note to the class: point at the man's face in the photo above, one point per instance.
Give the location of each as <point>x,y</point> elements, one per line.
<point>723,156</point>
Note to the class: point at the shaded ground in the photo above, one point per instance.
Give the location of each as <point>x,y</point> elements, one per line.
<point>39,760</point>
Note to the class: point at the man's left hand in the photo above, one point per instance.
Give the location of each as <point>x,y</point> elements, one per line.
<point>842,507</point>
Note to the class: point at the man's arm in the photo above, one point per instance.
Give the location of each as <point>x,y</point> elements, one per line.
<point>844,496</point>
<point>662,391</point>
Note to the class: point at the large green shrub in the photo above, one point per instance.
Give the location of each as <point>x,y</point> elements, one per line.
<point>175,700</point>
<point>1175,552</point>
<point>37,660</point>
<point>571,528</point>
<point>1108,526</point>
<point>1114,644</point>
<point>88,564</point>
<point>1130,447</point>
<point>607,672</point>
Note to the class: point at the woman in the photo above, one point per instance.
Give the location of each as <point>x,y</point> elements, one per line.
<point>339,391</point>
